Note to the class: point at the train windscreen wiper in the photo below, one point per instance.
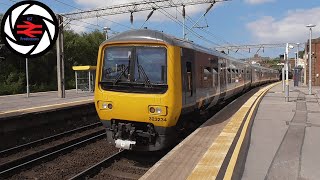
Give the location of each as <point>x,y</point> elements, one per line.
<point>144,75</point>
<point>120,75</point>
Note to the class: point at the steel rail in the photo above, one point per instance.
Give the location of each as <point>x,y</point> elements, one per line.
<point>45,140</point>
<point>17,165</point>
<point>95,169</point>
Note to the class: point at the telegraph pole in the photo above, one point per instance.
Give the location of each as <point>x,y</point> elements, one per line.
<point>60,59</point>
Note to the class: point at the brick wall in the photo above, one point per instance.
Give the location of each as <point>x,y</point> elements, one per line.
<point>315,59</point>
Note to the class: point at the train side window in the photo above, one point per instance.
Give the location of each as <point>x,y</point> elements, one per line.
<point>207,77</point>
<point>206,73</point>
<point>229,75</point>
<point>189,78</point>
<point>215,77</point>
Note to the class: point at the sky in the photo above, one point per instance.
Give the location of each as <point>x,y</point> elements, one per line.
<point>235,22</point>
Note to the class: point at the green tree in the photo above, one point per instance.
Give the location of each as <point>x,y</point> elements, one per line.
<point>80,49</point>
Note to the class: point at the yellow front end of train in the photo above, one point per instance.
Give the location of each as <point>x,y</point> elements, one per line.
<point>138,93</point>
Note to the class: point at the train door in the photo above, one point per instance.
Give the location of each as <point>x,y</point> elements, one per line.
<point>188,77</point>
<point>222,75</point>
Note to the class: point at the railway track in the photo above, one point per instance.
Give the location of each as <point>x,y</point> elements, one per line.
<point>16,165</point>
<point>121,165</point>
<point>46,140</point>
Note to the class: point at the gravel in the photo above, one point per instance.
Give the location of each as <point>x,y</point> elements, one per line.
<point>16,138</point>
<point>68,165</point>
<point>32,150</point>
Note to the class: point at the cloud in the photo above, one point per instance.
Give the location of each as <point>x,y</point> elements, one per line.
<point>254,2</point>
<point>291,28</point>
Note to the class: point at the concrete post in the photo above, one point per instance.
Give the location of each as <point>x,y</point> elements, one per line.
<point>76,76</point>
<point>89,81</point>
<point>60,59</point>
<point>27,77</point>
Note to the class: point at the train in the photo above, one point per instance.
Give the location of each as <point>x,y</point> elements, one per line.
<point>148,81</point>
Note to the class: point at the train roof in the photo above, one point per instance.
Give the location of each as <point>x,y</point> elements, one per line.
<point>145,35</point>
<point>262,67</point>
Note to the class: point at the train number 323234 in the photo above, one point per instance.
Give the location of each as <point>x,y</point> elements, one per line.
<point>157,119</point>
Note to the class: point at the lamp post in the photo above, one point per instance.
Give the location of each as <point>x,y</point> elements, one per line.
<point>106,29</point>
<point>296,71</point>
<point>310,26</point>
<point>298,44</point>
<point>287,72</point>
<point>283,74</point>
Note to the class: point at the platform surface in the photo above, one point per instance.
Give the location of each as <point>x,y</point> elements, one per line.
<point>20,103</point>
<point>201,154</point>
<point>285,137</point>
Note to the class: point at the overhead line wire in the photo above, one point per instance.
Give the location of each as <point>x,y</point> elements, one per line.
<point>180,23</point>
<point>200,36</point>
<point>100,17</point>
<point>206,31</point>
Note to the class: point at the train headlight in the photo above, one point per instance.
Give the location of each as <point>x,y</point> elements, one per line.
<point>105,105</point>
<point>158,110</point>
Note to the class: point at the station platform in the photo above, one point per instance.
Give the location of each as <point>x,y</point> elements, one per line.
<point>285,138</point>
<point>13,105</point>
<point>282,144</point>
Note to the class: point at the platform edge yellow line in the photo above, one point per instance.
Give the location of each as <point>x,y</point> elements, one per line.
<point>237,118</point>
<point>236,152</point>
<point>45,106</point>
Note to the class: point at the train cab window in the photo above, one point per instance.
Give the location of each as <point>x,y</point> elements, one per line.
<point>189,88</point>
<point>132,68</point>
<point>152,62</point>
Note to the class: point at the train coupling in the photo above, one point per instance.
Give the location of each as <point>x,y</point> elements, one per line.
<point>124,144</point>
